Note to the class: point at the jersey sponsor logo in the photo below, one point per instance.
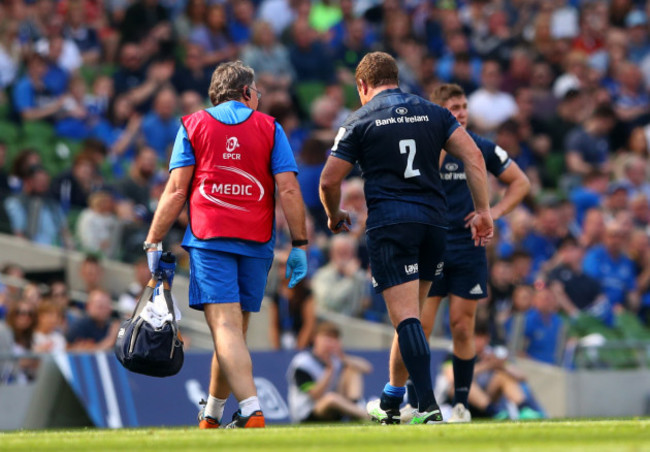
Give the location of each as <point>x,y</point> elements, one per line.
<point>451,166</point>
<point>411,269</point>
<point>402,120</point>
<point>401,110</point>
<point>374,282</point>
<point>453,176</point>
<point>501,153</point>
<point>233,189</point>
<point>476,290</point>
<point>439,268</point>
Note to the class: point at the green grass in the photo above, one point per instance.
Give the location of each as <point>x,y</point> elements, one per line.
<point>587,435</point>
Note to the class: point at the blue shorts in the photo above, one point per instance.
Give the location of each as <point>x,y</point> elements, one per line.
<point>219,277</point>
<point>465,275</point>
<point>405,252</point>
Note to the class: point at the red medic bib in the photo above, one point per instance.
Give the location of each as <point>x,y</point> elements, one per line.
<point>233,190</point>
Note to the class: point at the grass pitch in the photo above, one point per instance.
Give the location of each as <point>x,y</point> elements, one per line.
<point>578,435</point>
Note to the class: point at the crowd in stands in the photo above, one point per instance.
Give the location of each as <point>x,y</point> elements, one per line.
<point>92,93</point>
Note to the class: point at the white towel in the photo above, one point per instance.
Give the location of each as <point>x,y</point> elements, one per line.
<point>155,312</point>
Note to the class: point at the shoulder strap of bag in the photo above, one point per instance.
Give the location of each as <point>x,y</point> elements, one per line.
<point>147,295</point>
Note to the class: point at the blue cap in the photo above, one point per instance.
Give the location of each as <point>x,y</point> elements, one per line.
<point>636,18</point>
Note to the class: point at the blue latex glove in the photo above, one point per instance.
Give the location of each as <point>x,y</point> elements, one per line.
<point>296,266</point>
<point>167,270</point>
<point>153,259</point>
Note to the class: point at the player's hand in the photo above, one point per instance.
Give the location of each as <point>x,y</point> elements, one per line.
<point>482,227</point>
<point>339,222</point>
<point>296,266</point>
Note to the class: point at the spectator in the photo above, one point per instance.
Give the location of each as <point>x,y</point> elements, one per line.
<point>72,187</point>
<point>636,23</point>
<point>593,228</point>
<point>496,384</point>
<point>575,291</point>
<point>95,331</point>
<point>34,214</point>
<point>60,51</point>
<point>635,176</point>
<point>309,58</point>
<point>160,126</point>
<point>136,185</point>
<point>268,58</point>
<point>119,132</point>
<point>291,311</point>
<point>213,37</point>
<point>590,194</point>
<point>74,120</point>
<point>21,319</point>
<point>127,301</point>
<point>350,51</point>
<point>82,34</point>
<point>488,106</point>
<point>98,227</point>
<point>33,99</point>
<point>631,101</point>
<point>91,274</point>
<point>194,75</point>
<point>609,264</point>
<point>241,24</point>
<point>544,329</point>
<point>191,19</point>
<point>191,102</point>
<point>341,285</point>
<point>143,17</point>
<point>326,384</point>
<point>47,335</point>
<point>587,146</point>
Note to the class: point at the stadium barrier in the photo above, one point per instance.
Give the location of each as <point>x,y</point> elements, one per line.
<point>75,390</point>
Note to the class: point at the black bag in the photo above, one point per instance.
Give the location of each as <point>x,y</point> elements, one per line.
<point>143,349</point>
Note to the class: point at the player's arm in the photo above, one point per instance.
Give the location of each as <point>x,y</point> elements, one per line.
<point>517,187</point>
<point>171,203</point>
<point>292,204</point>
<point>330,193</point>
<point>463,147</point>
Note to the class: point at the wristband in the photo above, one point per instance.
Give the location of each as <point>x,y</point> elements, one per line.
<point>146,246</point>
<point>297,243</point>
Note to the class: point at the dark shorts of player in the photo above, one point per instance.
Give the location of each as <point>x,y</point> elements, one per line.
<point>465,274</point>
<point>405,252</point>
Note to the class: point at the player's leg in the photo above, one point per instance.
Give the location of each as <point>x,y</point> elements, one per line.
<point>395,253</point>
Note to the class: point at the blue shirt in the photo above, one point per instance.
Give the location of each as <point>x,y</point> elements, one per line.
<point>158,133</point>
<point>615,275</point>
<point>396,138</point>
<point>282,161</point>
<point>459,198</point>
<point>542,333</point>
<point>584,199</point>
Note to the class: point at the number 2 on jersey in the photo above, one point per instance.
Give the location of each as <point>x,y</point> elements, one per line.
<point>408,147</point>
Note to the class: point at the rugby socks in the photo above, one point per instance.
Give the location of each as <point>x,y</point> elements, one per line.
<point>391,397</point>
<point>214,408</point>
<point>411,395</point>
<point>249,406</point>
<point>463,375</point>
<point>417,359</point>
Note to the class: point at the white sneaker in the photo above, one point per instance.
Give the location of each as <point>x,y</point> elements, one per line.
<point>460,414</point>
<point>407,413</point>
<point>376,414</point>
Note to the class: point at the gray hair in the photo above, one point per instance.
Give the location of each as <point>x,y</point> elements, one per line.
<point>228,81</point>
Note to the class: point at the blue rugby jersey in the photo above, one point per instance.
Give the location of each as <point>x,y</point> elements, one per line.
<point>459,198</point>
<point>396,138</point>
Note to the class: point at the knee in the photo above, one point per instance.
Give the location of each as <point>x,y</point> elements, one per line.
<point>462,329</point>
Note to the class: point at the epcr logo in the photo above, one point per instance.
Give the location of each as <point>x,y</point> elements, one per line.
<point>401,110</point>
<point>232,143</point>
<point>451,166</point>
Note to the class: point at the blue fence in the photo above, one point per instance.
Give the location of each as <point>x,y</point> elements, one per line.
<point>115,397</point>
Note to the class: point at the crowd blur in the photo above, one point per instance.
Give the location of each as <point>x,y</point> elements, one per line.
<point>92,91</point>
